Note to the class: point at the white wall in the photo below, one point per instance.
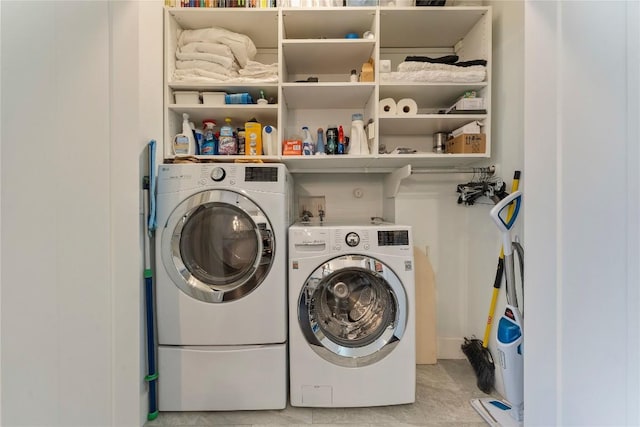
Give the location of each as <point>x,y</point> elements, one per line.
<point>70,309</point>
<point>582,158</point>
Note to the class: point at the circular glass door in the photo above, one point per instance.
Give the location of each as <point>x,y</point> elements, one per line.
<point>353,310</point>
<point>217,246</point>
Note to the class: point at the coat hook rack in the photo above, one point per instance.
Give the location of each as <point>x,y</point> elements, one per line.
<point>393,180</point>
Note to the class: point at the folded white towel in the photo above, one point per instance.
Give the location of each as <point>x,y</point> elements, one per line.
<point>257,70</point>
<point>434,76</point>
<point>428,66</point>
<point>439,73</point>
<point>224,61</point>
<point>215,48</point>
<point>205,65</point>
<point>187,74</point>
<point>198,75</point>
<point>241,45</point>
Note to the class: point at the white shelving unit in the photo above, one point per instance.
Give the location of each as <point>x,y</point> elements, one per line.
<point>312,43</point>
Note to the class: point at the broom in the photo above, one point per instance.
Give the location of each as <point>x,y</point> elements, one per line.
<point>477,351</point>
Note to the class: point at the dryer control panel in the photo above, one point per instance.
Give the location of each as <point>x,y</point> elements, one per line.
<point>388,239</point>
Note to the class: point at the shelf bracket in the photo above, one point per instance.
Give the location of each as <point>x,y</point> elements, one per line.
<point>392,181</point>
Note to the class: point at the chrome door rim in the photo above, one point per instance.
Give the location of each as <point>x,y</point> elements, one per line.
<point>184,279</point>
<point>336,352</point>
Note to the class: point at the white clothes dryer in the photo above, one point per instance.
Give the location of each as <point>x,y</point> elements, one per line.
<point>221,286</point>
<point>351,315</point>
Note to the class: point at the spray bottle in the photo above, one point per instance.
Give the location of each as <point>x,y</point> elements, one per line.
<point>210,142</point>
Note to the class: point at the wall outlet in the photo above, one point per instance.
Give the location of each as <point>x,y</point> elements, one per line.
<point>312,207</point>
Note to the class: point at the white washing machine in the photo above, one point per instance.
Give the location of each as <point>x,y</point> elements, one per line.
<point>221,286</point>
<point>351,315</point>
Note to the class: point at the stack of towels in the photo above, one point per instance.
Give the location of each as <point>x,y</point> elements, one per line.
<point>446,69</point>
<point>217,55</point>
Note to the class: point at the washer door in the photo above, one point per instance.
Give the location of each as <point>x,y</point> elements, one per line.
<point>217,246</point>
<point>353,310</point>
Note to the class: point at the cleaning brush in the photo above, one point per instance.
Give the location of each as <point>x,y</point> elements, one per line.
<point>477,351</point>
<point>482,363</point>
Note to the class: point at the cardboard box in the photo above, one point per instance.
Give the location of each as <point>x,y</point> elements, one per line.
<point>467,104</point>
<point>292,147</point>
<point>472,127</point>
<point>367,73</point>
<point>467,144</point>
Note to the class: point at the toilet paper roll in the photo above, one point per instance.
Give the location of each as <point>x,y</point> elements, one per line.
<point>387,106</point>
<point>407,107</point>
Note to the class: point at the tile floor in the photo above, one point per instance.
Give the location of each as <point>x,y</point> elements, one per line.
<point>442,399</point>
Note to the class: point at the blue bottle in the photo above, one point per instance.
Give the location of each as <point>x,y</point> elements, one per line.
<point>320,142</point>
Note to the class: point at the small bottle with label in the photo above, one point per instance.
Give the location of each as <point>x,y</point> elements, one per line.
<point>241,142</point>
<point>341,143</point>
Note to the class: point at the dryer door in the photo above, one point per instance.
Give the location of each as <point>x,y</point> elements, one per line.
<point>217,246</point>
<point>353,310</point>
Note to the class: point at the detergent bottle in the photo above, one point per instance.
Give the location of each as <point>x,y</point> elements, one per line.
<point>307,142</point>
<point>253,138</point>
<point>184,144</point>
<point>358,141</point>
<point>270,140</point>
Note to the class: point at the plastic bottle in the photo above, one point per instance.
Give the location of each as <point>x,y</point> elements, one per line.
<point>320,143</point>
<point>253,138</point>
<point>210,142</point>
<point>358,142</point>
<point>197,137</point>
<point>240,135</point>
<point>184,144</point>
<point>307,142</point>
<point>270,140</point>
<point>332,140</point>
<point>340,140</point>
<point>227,143</point>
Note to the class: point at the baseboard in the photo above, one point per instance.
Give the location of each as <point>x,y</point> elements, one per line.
<point>449,348</point>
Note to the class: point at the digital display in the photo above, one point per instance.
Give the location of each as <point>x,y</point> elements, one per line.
<point>393,238</point>
<point>252,174</point>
